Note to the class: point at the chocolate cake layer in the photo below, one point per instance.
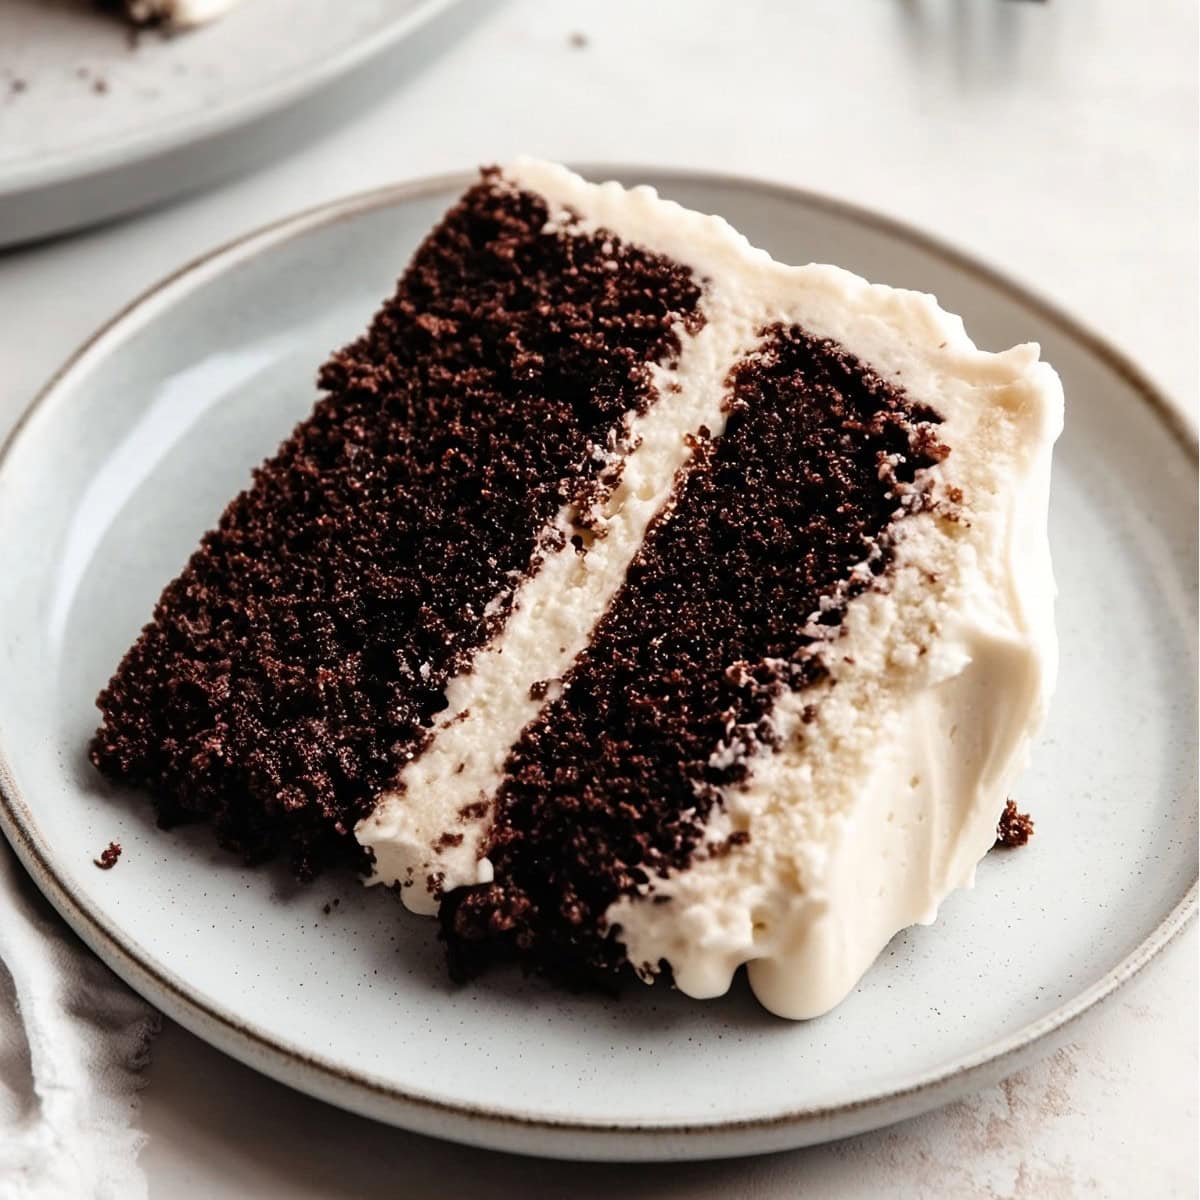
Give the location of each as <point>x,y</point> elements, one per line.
<point>614,780</point>
<point>300,657</point>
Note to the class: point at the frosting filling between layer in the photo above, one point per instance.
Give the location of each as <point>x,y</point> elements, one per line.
<point>428,832</point>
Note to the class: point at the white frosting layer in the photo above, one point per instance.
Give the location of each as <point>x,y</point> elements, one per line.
<point>870,814</point>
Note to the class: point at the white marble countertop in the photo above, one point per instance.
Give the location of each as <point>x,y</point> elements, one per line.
<point>1057,140</point>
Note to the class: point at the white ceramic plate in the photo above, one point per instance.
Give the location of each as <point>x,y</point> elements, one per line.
<point>132,452</point>
<point>94,123</point>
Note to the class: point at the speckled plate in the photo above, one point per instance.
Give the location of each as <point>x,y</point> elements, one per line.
<point>134,448</point>
<point>95,122</point>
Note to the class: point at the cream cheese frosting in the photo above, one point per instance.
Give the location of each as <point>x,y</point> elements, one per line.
<point>881,791</point>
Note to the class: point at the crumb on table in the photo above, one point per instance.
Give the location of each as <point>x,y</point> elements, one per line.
<point>108,856</point>
<point>1015,828</point>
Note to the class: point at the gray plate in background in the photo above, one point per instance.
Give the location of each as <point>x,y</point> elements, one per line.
<point>95,122</point>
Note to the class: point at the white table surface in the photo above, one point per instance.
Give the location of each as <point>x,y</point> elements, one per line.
<point>1057,140</point>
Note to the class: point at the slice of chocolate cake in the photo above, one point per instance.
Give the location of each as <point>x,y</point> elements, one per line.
<point>633,602</point>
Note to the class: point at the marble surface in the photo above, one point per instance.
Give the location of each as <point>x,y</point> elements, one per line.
<point>1057,140</point>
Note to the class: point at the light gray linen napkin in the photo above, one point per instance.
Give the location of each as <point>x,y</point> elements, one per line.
<point>74,1042</point>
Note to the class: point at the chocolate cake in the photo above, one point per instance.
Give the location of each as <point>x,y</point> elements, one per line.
<point>634,603</point>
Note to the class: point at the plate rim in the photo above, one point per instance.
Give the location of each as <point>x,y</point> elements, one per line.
<point>484,1124</point>
<point>162,137</point>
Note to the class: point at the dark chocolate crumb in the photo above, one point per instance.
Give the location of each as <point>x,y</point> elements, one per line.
<point>1015,828</point>
<point>722,849</point>
<point>578,41</point>
<point>108,856</point>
